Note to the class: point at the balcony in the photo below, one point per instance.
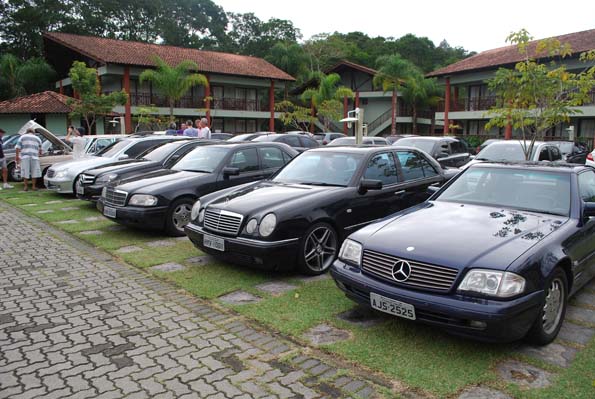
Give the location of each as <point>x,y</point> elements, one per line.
<point>231,104</point>
<point>238,104</point>
<point>469,104</point>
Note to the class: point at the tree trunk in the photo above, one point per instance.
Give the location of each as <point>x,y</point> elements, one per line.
<point>414,119</point>
<point>393,126</point>
<point>171,109</point>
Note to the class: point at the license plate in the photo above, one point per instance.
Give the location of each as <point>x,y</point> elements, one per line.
<point>214,242</point>
<point>391,306</point>
<point>80,189</point>
<point>109,212</point>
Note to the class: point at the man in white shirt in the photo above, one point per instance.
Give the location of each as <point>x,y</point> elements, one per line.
<point>28,152</point>
<point>203,129</point>
<point>78,142</point>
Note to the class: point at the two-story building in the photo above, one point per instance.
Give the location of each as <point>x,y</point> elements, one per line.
<point>467,98</point>
<point>377,104</point>
<point>240,96</point>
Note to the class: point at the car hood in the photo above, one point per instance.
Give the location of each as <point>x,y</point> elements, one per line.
<point>158,180</point>
<point>459,235</point>
<point>268,195</point>
<point>116,166</point>
<point>57,143</point>
<point>81,164</point>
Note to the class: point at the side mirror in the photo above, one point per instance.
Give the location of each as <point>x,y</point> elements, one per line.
<point>369,184</point>
<point>589,209</point>
<point>432,189</point>
<point>229,171</point>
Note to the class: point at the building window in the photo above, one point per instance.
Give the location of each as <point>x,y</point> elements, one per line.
<point>217,125</point>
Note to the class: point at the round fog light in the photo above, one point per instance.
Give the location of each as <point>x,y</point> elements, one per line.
<point>251,226</point>
<point>478,324</point>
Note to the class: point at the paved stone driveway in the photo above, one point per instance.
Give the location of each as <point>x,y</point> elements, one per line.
<point>75,323</point>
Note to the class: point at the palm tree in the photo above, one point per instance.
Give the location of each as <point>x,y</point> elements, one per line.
<point>289,57</point>
<point>173,82</point>
<point>18,78</point>
<point>419,92</point>
<point>391,74</point>
<point>327,98</point>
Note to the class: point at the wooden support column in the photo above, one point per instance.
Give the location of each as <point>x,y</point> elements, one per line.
<point>446,106</point>
<point>345,114</point>
<point>208,101</point>
<point>61,87</point>
<point>98,82</point>
<point>127,107</point>
<point>357,99</point>
<point>508,132</point>
<point>272,106</point>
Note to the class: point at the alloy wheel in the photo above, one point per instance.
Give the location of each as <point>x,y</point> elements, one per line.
<point>554,305</point>
<point>320,249</point>
<point>181,216</point>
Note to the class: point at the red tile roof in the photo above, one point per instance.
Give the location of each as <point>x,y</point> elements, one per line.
<point>140,54</point>
<point>490,59</point>
<point>47,102</point>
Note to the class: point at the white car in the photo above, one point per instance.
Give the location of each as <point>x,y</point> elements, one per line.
<point>512,150</point>
<point>63,177</point>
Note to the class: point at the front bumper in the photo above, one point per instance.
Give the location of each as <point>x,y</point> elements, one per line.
<point>90,193</point>
<point>500,320</point>
<point>151,218</point>
<point>63,186</point>
<point>269,255</point>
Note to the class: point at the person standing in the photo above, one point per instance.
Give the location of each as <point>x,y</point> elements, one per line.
<point>3,164</point>
<point>172,129</point>
<point>190,131</point>
<point>203,129</point>
<point>75,138</point>
<point>182,129</point>
<point>28,150</point>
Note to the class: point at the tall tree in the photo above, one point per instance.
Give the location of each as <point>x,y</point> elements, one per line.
<point>91,104</point>
<point>173,82</point>
<point>19,78</point>
<point>327,98</point>
<point>539,93</point>
<point>291,58</point>
<point>392,72</point>
<point>420,93</point>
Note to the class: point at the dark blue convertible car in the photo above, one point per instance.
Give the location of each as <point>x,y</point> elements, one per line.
<point>494,255</point>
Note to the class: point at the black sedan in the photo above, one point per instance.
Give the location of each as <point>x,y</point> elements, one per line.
<point>448,151</point>
<point>301,215</point>
<point>299,142</point>
<point>162,200</point>
<point>92,181</point>
<point>494,255</point>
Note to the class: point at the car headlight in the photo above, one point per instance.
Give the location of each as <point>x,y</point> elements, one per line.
<point>493,283</point>
<point>61,174</point>
<point>251,226</point>
<point>106,178</point>
<point>143,200</point>
<point>267,225</point>
<point>195,210</point>
<point>351,252</point>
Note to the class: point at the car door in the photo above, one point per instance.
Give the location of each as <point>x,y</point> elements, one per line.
<point>307,142</point>
<point>417,174</point>
<point>371,205</point>
<point>271,160</point>
<point>247,162</point>
<point>582,244</point>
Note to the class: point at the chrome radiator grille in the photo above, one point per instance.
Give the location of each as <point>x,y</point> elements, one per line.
<point>422,275</point>
<point>86,180</point>
<point>114,197</point>
<point>222,221</point>
<point>50,173</point>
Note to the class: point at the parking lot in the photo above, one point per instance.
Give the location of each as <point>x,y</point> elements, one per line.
<point>285,324</point>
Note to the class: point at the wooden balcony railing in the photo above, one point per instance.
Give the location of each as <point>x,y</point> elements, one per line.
<point>234,104</point>
<point>238,104</point>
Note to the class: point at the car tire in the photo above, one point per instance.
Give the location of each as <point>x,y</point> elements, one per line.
<point>12,175</point>
<point>318,249</point>
<point>552,312</point>
<point>178,215</point>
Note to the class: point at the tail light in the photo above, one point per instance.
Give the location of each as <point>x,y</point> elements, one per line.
<point>324,142</point>
<point>590,157</point>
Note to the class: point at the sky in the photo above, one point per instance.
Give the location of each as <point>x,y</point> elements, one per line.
<point>474,25</point>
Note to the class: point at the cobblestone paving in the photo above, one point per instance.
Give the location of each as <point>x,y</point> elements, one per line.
<point>76,323</point>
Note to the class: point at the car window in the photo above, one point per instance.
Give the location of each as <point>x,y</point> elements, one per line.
<point>457,147</point>
<point>140,147</point>
<point>544,154</point>
<point>246,160</point>
<point>100,144</point>
<point>379,142</point>
<point>556,154</point>
<point>382,167</point>
<point>290,140</point>
<point>411,165</point>
<point>308,142</point>
<point>427,167</point>
<point>586,184</point>
<point>271,157</point>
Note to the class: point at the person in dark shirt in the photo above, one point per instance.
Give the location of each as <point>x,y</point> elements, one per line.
<point>3,164</point>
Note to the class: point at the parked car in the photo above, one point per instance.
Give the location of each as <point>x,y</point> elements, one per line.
<point>221,136</point>
<point>514,150</point>
<point>300,132</point>
<point>163,156</point>
<point>366,140</point>
<point>63,177</point>
<point>528,233</point>
<point>297,141</point>
<point>163,199</point>
<point>590,161</point>
<point>325,138</point>
<point>248,136</point>
<point>485,144</point>
<point>299,217</point>
<point>394,138</point>
<point>448,151</point>
<point>572,151</point>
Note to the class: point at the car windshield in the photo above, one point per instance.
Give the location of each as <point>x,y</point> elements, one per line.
<point>424,145</point>
<point>162,151</point>
<point>521,189</point>
<point>113,149</point>
<point>242,137</point>
<point>512,151</point>
<point>321,169</point>
<point>201,159</point>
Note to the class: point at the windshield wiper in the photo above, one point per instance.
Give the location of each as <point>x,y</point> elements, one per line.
<point>314,183</point>
<point>197,170</point>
